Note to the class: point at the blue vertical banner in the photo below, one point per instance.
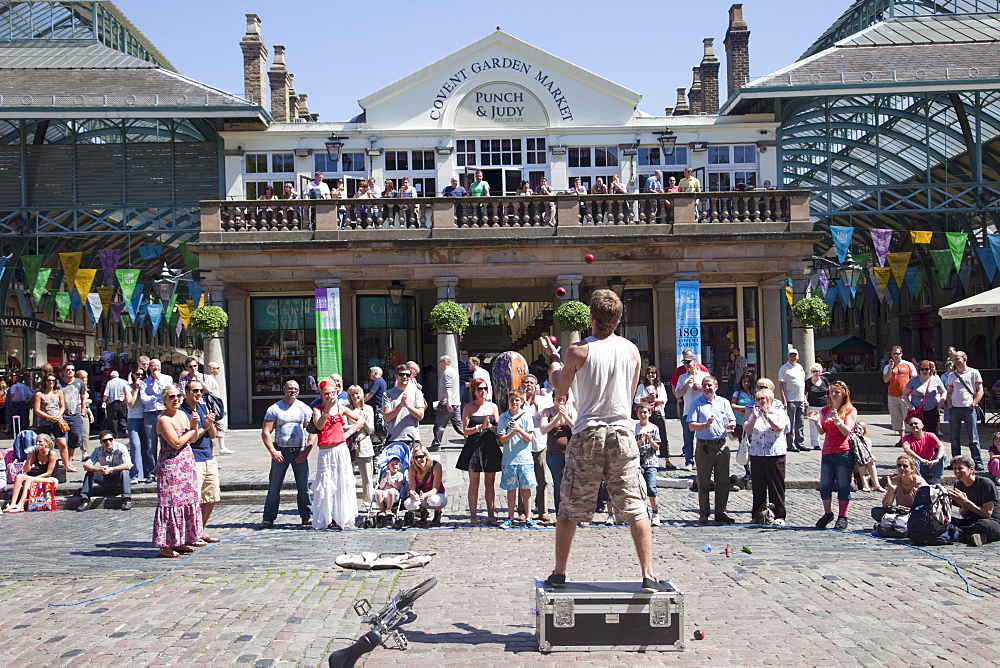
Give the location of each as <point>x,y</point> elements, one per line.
<point>687,307</point>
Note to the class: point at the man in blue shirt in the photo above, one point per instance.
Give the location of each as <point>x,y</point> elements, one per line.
<point>711,418</point>
<point>204,461</point>
<point>454,190</point>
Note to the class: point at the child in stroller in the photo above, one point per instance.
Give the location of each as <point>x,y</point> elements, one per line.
<point>387,516</point>
<point>387,492</point>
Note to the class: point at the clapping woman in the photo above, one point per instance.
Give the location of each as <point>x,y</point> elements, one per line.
<point>836,420</point>
<point>481,454</point>
<point>335,499</point>
<point>765,424</point>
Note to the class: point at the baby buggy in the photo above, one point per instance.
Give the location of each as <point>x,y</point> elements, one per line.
<point>368,520</point>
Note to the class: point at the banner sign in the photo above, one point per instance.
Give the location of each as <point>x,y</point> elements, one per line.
<point>328,349</point>
<point>62,304</point>
<point>109,260</point>
<point>70,265</point>
<point>956,244</point>
<point>841,240</point>
<point>687,307</point>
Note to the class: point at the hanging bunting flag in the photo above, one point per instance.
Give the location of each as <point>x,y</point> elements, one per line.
<point>942,266</point>
<point>853,288</point>
<point>135,301</point>
<point>861,259</point>
<point>3,265</point>
<point>190,259</point>
<point>824,280</point>
<point>150,252</point>
<point>830,297</point>
<point>788,291</point>
<point>870,291</point>
<point>986,258</point>
<point>62,304</point>
<point>31,265</point>
<point>109,261</point>
<point>127,278</point>
<point>184,310</point>
<point>155,316</point>
<point>893,294</point>
<point>170,313</point>
<point>74,303</point>
<point>41,279</point>
<point>195,291</point>
<point>94,307</point>
<point>844,294</point>
<point>84,279</point>
<point>881,240</point>
<point>956,243</point>
<point>818,291</point>
<point>898,263</point>
<point>116,311</point>
<point>106,294</point>
<point>841,240</point>
<point>964,275</point>
<point>921,237</point>
<point>70,265</point>
<point>912,273</point>
<point>142,310</point>
<point>882,277</point>
<point>994,240</point>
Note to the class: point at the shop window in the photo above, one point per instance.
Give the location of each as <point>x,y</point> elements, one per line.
<point>465,152</point>
<point>396,161</point>
<point>606,156</point>
<point>387,334</point>
<point>535,153</point>
<point>579,157</point>
<point>284,343</point>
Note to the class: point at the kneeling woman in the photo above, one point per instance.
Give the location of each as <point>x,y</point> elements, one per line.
<point>426,487</point>
<point>335,497</point>
<point>42,464</point>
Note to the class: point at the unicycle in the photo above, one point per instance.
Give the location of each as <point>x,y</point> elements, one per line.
<point>385,625</point>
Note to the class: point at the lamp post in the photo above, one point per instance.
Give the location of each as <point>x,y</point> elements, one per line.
<point>334,146</point>
<point>617,285</point>
<point>396,291</point>
<point>667,140</point>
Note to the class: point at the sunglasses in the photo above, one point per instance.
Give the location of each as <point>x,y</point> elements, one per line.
<point>403,375</point>
<point>174,396</point>
<point>50,380</point>
<point>420,456</point>
<point>480,389</point>
<point>902,466</point>
<point>107,440</point>
<point>192,366</point>
<point>912,424</point>
<point>925,368</point>
<point>198,391</point>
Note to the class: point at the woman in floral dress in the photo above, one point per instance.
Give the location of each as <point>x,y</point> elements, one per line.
<point>177,524</point>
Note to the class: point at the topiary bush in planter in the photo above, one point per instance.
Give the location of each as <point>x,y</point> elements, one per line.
<point>573,316</point>
<point>449,317</point>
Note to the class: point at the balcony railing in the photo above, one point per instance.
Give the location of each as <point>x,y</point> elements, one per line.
<point>668,209</point>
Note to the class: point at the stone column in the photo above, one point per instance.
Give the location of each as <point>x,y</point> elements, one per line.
<point>447,343</point>
<point>254,60</point>
<point>802,336</point>
<point>772,352</point>
<point>278,78</point>
<point>666,326</point>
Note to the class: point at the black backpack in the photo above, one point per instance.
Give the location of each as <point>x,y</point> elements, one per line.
<point>930,518</point>
<point>215,405</point>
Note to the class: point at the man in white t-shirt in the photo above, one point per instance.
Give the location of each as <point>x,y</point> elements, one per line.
<point>284,436</point>
<point>792,384</point>
<point>316,189</point>
<point>965,391</point>
<point>480,372</point>
<point>688,388</point>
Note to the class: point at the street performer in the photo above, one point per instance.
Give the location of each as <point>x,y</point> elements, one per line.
<point>603,445</point>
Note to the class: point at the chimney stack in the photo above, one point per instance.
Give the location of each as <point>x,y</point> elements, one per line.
<point>694,94</point>
<point>303,111</point>
<point>681,108</point>
<point>737,50</point>
<point>254,60</point>
<point>278,77</point>
<point>293,99</point>
<point>709,79</point>
<point>668,111</point>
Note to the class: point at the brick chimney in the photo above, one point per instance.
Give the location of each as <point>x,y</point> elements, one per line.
<point>278,78</point>
<point>709,79</point>
<point>737,50</point>
<point>303,111</point>
<point>681,107</point>
<point>694,93</point>
<point>293,99</point>
<point>254,61</point>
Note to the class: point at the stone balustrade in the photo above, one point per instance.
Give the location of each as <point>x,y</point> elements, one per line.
<point>666,210</point>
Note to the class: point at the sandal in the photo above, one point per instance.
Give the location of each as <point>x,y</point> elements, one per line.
<point>198,543</point>
<point>209,539</point>
<point>544,517</point>
<point>492,521</point>
<point>13,509</point>
<point>167,553</point>
<point>183,549</point>
<point>474,522</point>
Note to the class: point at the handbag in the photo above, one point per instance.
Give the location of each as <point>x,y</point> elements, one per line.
<point>63,425</point>
<point>215,405</point>
<point>743,452</point>
<point>893,524</point>
<point>918,411</point>
<point>352,446</point>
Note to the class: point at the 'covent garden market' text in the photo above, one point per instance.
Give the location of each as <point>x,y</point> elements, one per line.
<point>460,76</point>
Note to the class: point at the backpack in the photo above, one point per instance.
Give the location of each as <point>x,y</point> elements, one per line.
<point>930,518</point>
<point>215,405</point>
<point>893,525</point>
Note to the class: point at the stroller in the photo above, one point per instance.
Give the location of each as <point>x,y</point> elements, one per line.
<point>400,450</point>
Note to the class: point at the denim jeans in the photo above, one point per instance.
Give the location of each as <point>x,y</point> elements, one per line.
<point>277,478</point>
<point>966,414</point>
<point>149,442</point>
<point>136,434</point>
<point>688,448</point>
<point>835,471</point>
<point>934,473</point>
<point>556,464</point>
<point>114,480</point>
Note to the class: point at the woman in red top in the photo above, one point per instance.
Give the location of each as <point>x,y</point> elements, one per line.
<point>836,421</point>
<point>335,499</point>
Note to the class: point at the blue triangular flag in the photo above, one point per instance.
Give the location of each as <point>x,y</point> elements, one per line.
<point>841,240</point>
<point>910,278</point>
<point>141,311</point>
<point>150,252</point>
<point>986,256</point>
<point>893,293</point>
<point>195,290</point>
<point>155,316</point>
<point>133,304</point>
<point>830,297</point>
<point>74,302</point>
<point>844,294</point>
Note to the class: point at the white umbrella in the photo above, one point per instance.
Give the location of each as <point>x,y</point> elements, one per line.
<point>982,305</point>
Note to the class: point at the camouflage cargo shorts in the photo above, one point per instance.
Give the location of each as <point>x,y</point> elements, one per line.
<point>609,454</point>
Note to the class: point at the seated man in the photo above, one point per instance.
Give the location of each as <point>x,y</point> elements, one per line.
<point>108,467</point>
<point>978,503</point>
<point>926,448</point>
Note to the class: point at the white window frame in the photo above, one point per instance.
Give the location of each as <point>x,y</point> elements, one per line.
<point>734,172</point>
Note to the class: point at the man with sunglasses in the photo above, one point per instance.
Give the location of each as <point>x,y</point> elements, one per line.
<point>404,409</point>
<point>897,373</point>
<point>108,467</point>
<point>926,448</point>
<point>207,469</point>
<point>74,393</point>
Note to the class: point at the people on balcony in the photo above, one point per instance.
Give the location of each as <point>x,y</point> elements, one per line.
<point>456,189</point>
<point>316,189</point>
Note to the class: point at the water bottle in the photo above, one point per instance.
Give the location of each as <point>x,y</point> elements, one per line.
<point>532,602</point>
<point>706,548</point>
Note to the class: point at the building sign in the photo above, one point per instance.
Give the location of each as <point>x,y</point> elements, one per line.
<point>26,323</point>
<point>500,104</point>
<point>381,313</point>
<point>328,346</point>
<point>283,313</point>
<point>687,307</point>
<point>545,84</point>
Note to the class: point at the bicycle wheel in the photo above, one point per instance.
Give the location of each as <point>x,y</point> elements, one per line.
<point>407,598</point>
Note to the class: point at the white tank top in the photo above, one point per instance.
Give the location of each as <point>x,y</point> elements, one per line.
<point>604,384</point>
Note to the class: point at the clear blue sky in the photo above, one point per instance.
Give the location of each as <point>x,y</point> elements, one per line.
<point>341,51</point>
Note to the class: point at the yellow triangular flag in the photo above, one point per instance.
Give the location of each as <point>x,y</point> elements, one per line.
<point>898,262</point>
<point>84,279</point>
<point>185,312</point>
<point>70,265</point>
<point>106,295</point>
<point>922,237</point>
<point>882,277</point>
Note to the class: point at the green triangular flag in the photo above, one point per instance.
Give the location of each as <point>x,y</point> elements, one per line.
<point>956,244</point>
<point>861,259</point>
<point>62,304</point>
<point>31,264</point>
<point>942,265</point>
<point>190,259</point>
<point>918,284</point>
<point>171,313</point>
<point>41,279</point>
<point>127,278</point>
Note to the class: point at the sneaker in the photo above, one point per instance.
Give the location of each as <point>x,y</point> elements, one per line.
<point>556,580</point>
<point>651,586</point>
<point>226,451</point>
<point>824,521</point>
<point>841,524</point>
<point>610,522</point>
<point>507,524</point>
<point>688,467</point>
<point>266,524</point>
<point>307,522</point>
<point>530,523</point>
<point>976,539</point>
<point>655,521</point>
<point>84,505</point>
<point>127,504</point>
<point>980,467</point>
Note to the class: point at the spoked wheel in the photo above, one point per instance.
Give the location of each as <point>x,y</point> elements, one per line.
<point>407,598</point>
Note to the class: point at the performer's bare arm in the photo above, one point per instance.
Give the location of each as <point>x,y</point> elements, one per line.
<point>561,375</point>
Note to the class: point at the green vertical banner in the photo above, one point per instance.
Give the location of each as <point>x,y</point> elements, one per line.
<point>942,266</point>
<point>328,350</point>
<point>41,278</point>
